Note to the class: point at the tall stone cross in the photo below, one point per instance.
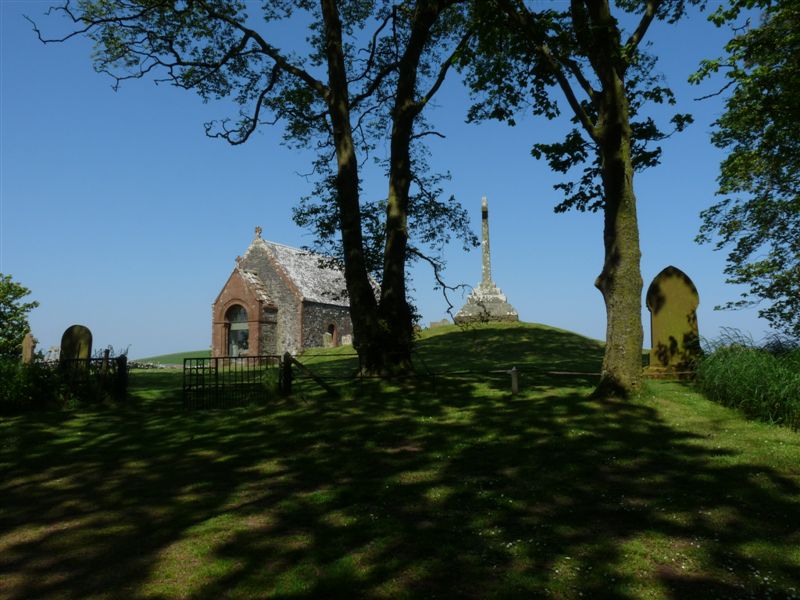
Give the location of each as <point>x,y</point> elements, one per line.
<point>487,259</point>
<point>486,302</point>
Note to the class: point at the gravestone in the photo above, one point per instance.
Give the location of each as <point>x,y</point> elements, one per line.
<point>28,348</point>
<point>672,300</point>
<point>76,343</point>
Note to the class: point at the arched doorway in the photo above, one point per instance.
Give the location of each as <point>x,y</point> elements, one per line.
<point>238,330</point>
<point>331,337</point>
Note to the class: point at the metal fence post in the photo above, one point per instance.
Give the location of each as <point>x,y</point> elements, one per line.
<point>121,377</point>
<point>286,375</point>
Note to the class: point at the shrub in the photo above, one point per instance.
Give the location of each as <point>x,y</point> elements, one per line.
<point>41,385</point>
<point>763,382</point>
<point>27,387</point>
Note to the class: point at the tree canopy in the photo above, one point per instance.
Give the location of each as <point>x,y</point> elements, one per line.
<point>363,75</point>
<point>758,219</point>
<point>13,317</point>
<point>605,80</point>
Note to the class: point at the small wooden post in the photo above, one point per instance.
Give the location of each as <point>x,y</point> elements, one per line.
<point>514,381</point>
<point>121,377</point>
<point>286,375</point>
<point>106,354</point>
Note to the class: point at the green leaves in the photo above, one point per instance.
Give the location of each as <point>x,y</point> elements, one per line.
<point>542,61</point>
<point>13,317</point>
<point>759,217</point>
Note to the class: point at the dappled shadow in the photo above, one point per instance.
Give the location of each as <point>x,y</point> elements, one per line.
<point>413,488</point>
<point>486,347</point>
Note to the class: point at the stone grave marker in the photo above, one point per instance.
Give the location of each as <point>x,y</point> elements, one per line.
<point>672,300</point>
<point>28,348</point>
<point>76,343</point>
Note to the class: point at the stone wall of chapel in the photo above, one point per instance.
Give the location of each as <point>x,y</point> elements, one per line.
<point>318,317</point>
<point>283,294</point>
<point>259,320</point>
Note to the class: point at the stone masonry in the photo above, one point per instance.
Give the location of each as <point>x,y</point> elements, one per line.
<point>487,302</point>
<point>293,299</point>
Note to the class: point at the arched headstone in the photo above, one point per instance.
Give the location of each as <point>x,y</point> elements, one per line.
<point>76,343</point>
<point>672,300</point>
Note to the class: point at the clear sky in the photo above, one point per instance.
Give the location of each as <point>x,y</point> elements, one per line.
<point>119,214</point>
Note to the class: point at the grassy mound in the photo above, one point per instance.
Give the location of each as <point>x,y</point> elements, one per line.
<point>175,358</point>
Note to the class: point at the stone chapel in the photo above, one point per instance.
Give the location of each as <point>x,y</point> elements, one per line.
<point>280,299</point>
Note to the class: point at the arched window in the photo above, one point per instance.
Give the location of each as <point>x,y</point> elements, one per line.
<point>238,330</point>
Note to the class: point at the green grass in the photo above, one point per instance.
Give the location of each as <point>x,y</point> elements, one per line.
<point>174,359</point>
<point>434,487</point>
<point>761,384</point>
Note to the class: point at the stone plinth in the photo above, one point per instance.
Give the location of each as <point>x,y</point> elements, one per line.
<point>486,303</point>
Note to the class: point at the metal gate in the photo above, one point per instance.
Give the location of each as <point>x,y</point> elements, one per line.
<point>226,381</point>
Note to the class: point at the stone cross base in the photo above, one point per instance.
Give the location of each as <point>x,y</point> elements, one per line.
<point>486,304</point>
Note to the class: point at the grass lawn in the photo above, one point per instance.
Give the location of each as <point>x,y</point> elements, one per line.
<point>175,358</point>
<point>434,487</point>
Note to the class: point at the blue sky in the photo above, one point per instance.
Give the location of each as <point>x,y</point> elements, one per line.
<point>119,214</point>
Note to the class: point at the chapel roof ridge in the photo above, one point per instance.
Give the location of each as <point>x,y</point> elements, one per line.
<point>317,277</point>
<point>288,247</point>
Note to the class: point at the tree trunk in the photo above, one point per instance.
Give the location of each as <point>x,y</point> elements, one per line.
<point>363,305</point>
<point>394,310</point>
<point>620,281</point>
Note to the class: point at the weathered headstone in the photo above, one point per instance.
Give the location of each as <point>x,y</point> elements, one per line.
<point>76,343</point>
<point>672,300</point>
<point>28,348</point>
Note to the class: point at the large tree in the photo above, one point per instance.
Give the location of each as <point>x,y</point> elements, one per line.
<point>759,217</point>
<point>13,317</point>
<point>526,51</point>
<point>369,69</point>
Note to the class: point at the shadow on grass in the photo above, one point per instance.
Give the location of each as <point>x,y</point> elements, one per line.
<point>395,490</point>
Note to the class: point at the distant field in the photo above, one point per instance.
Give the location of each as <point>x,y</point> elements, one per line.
<point>176,358</point>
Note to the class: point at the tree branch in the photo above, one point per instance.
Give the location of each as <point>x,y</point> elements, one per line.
<point>717,93</point>
<point>272,52</point>
<point>576,72</point>
<point>650,10</point>
<point>90,24</point>
<point>373,46</point>
<point>426,133</point>
<point>443,70</point>
<point>519,13</point>
<point>437,274</point>
<point>243,137</point>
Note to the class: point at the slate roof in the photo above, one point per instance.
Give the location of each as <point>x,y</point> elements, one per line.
<point>313,274</point>
<point>258,287</point>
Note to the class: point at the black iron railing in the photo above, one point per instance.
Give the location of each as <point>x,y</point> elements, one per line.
<point>226,381</point>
